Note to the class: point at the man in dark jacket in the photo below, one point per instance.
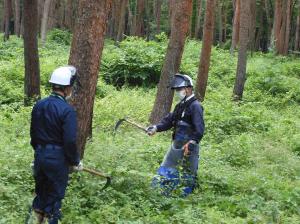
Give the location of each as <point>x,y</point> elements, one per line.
<point>53,138</point>
<point>187,121</point>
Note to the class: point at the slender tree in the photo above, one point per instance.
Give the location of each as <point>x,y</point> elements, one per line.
<point>17,17</point>
<point>31,54</point>
<point>198,20</point>
<point>157,13</point>
<point>242,57</point>
<point>181,14</point>
<point>236,26</point>
<point>208,30</point>
<point>121,25</point>
<point>85,55</point>
<point>7,15</point>
<point>296,44</point>
<point>45,21</point>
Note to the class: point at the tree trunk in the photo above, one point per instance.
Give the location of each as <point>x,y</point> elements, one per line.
<point>17,17</point>
<point>157,14</point>
<point>269,25</point>
<point>242,57</point>
<point>181,14</point>
<point>236,26</point>
<point>208,30</point>
<point>220,22</point>
<point>40,13</point>
<point>287,27</point>
<point>45,21</point>
<point>282,23</point>
<point>197,33</point>
<point>121,25</point>
<point>85,55</point>
<point>7,15</point>
<point>252,27</point>
<point>139,21</point>
<point>296,46</point>
<point>31,54</point>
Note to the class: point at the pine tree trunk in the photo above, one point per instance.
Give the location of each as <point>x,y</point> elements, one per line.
<point>139,22</point>
<point>121,28</point>
<point>287,27</point>
<point>208,30</point>
<point>40,13</point>
<point>7,15</point>
<point>157,14</point>
<point>296,45</point>
<point>45,21</point>
<point>85,55</point>
<point>197,33</point>
<point>17,17</point>
<point>31,54</point>
<point>243,45</point>
<point>181,14</point>
<point>236,26</point>
<point>220,22</point>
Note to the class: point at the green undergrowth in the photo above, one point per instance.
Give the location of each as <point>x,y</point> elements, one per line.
<point>249,169</point>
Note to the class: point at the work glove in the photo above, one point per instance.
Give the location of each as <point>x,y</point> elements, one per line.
<point>78,168</point>
<point>189,147</point>
<point>151,130</point>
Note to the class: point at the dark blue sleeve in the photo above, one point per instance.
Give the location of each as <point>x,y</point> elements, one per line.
<point>32,135</point>
<point>69,137</point>
<point>197,121</point>
<point>166,123</point>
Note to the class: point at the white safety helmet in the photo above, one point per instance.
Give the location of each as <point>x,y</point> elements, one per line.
<point>180,81</point>
<point>63,76</point>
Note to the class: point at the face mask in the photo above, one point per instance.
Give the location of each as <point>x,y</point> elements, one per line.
<point>181,94</point>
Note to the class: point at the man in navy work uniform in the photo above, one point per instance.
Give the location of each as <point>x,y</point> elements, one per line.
<point>53,138</point>
<point>187,121</point>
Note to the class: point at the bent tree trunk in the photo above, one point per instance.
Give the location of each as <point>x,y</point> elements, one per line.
<point>181,13</point>
<point>85,55</point>
<point>31,54</point>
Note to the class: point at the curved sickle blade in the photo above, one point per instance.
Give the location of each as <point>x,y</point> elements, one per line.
<point>98,173</point>
<point>119,122</point>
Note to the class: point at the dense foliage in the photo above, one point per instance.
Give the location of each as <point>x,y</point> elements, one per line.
<point>249,170</point>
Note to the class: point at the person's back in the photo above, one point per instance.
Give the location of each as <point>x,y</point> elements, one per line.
<point>53,138</point>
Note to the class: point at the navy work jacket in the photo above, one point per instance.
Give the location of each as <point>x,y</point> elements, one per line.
<point>53,122</point>
<point>194,114</point>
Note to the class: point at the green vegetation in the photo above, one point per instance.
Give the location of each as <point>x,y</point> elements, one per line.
<point>249,169</point>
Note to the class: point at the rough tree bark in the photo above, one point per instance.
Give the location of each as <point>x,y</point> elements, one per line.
<point>7,15</point>
<point>208,30</point>
<point>243,45</point>
<point>17,17</point>
<point>296,45</point>
<point>121,25</point>
<point>197,33</point>
<point>220,22</point>
<point>236,26</point>
<point>85,55</point>
<point>31,54</point>
<point>45,21</point>
<point>282,23</point>
<point>139,21</point>
<point>181,14</point>
<point>157,14</point>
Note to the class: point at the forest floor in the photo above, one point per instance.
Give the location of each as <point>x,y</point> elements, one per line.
<point>249,170</point>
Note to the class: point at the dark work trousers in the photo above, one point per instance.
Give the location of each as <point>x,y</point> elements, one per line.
<point>51,178</point>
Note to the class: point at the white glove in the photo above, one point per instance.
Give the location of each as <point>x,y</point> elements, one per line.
<point>78,168</point>
<point>151,130</point>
